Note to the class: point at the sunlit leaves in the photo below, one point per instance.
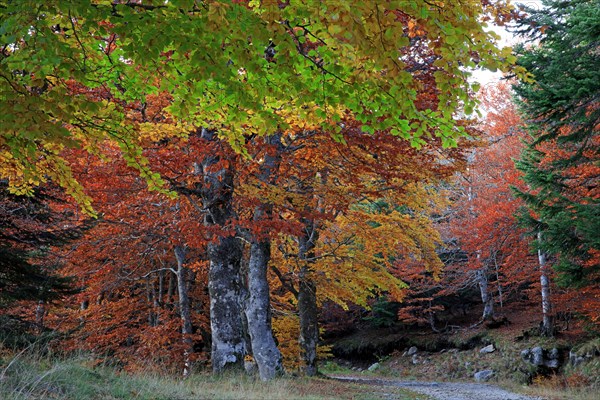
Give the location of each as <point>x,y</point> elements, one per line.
<point>212,60</point>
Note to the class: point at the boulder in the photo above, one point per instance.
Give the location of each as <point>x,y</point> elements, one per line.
<point>488,349</point>
<point>412,351</point>
<point>374,367</point>
<point>540,357</point>
<point>537,356</point>
<point>576,359</point>
<point>553,359</point>
<point>415,359</point>
<point>483,376</point>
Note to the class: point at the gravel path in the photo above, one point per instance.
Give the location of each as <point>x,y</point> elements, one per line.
<point>445,390</point>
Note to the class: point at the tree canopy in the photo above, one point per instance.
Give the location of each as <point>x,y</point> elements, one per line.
<point>72,70</point>
<point>562,111</point>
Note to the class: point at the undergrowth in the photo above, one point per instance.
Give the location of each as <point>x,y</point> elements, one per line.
<point>31,375</point>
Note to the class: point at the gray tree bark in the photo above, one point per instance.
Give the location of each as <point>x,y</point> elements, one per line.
<point>258,310</point>
<point>500,291</point>
<point>171,289</point>
<point>184,310</point>
<point>486,297</point>
<point>40,312</point>
<point>258,306</point>
<point>307,300</point>
<point>152,295</point>
<point>224,253</point>
<point>547,328</point>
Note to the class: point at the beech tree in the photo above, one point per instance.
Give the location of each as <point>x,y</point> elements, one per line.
<point>231,66</point>
<point>130,263</point>
<point>233,70</point>
<point>355,210</point>
<point>497,249</point>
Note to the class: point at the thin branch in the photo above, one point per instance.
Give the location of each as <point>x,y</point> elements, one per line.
<point>285,282</point>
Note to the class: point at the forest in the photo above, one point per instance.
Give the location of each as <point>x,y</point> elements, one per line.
<point>278,189</point>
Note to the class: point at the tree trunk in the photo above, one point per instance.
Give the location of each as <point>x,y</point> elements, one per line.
<point>258,306</point>
<point>224,286</point>
<point>500,291</point>
<point>161,287</point>
<point>171,289</point>
<point>486,297</point>
<point>153,314</point>
<point>547,328</point>
<point>224,254</point>
<point>307,300</point>
<point>258,310</point>
<point>184,310</point>
<point>40,312</point>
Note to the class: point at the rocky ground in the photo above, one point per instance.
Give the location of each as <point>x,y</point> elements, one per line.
<point>445,390</point>
<point>474,363</point>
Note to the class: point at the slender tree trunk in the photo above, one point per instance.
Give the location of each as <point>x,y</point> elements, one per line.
<point>153,314</point>
<point>171,289</point>
<point>40,312</point>
<point>431,318</point>
<point>184,310</point>
<point>547,328</point>
<point>161,287</point>
<point>224,254</point>
<point>486,297</point>
<point>500,291</point>
<point>258,306</point>
<point>307,300</point>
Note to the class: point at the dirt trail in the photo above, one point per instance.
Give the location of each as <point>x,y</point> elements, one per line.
<point>445,390</point>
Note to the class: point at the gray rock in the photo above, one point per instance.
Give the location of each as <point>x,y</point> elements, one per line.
<point>553,359</point>
<point>488,349</point>
<point>483,376</point>
<point>374,367</point>
<point>415,359</point>
<point>576,359</point>
<point>412,351</point>
<point>537,356</point>
<point>552,363</point>
<point>572,357</point>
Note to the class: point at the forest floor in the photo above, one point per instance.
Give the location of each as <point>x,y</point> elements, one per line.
<point>441,368</point>
<point>444,390</point>
<point>444,364</point>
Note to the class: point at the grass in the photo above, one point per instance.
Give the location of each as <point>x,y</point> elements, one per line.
<point>27,376</point>
<point>551,389</point>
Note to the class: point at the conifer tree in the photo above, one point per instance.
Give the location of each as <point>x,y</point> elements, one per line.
<point>562,111</point>
<point>29,228</point>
